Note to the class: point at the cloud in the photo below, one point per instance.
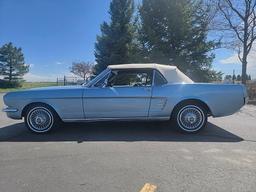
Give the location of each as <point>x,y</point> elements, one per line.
<point>251,66</point>
<point>39,78</point>
<point>233,59</point>
<point>31,77</point>
<point>31,65</point>
<point>230,60</point>
<point>59,63</point>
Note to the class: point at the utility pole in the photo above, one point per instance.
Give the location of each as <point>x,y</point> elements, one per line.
<point>64,80</point>
<point>233,77</point>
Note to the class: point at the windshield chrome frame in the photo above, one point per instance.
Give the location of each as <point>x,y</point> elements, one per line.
<point>97,78</point>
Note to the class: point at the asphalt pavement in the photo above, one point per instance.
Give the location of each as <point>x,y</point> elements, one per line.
<point>122,157</point>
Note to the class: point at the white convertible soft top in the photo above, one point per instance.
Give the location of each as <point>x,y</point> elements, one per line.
<point>171,73</point>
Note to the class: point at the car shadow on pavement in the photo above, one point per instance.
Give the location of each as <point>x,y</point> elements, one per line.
<point>117,131</point>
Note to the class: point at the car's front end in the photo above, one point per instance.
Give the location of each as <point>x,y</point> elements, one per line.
<point>11,107</point>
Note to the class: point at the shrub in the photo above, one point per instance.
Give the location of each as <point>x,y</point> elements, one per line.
<point>252,90</point>
<point>10,84</point>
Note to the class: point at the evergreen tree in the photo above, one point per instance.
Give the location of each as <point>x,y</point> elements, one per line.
<point>234,77</point>
<point>228,78</point>
<point>12,64</point>
<point>174,32</point>
<point>238,78</point>
<point>114,44</point>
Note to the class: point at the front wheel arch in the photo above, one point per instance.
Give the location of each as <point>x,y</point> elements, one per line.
<point>28,106</point>
<point>54,119</point>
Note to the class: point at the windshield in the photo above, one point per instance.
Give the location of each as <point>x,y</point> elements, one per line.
<point>95,78</point>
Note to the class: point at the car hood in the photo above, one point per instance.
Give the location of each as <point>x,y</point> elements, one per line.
<point>46,93</point>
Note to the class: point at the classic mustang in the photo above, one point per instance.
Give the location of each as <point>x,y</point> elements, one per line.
<point>127,92</point>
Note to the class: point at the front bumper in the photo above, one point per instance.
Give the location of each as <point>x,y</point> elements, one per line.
<point>8,110</point>
<point>12,113</point>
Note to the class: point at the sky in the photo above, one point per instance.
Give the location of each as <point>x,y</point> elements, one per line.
<point>55,33</point>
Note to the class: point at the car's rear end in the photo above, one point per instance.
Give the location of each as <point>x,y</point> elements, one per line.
<point>246,97</point>
<point>222,99</point>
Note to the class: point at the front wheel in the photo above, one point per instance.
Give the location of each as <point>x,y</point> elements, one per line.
<point>40,119</point>
<point>190,118</point>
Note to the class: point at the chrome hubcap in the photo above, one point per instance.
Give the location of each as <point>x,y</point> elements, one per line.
<point>40,119</point>
<point>191,118</point>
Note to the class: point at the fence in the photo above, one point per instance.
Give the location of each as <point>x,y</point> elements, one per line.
<point>251,87</point>
<point>66,80</point>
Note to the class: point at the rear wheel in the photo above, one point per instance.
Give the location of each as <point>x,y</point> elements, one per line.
<point>41,118</point>
<point>190,117</point>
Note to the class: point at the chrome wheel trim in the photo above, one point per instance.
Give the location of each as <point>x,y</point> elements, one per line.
<point>191,118</point>
<point>40,119</point>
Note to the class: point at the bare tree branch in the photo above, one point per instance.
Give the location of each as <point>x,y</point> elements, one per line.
<point>240,17</point>
<point>239,55</point>
<point>235,10</point>
<point>82,69</point>
<point>235,28</point>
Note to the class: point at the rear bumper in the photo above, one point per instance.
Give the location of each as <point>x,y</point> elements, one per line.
<point>246,99</point>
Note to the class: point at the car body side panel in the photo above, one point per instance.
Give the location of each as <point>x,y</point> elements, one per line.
<point>116,102</point>
<point>66,101</point>
<point>71,104</point>
<point>222,100</point>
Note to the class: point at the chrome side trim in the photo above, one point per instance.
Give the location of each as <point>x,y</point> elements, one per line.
<point>118,119</point>
<point>10,109</point>
<point>118,97</point>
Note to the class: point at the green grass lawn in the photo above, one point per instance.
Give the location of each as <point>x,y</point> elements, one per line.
<point>27,85</point>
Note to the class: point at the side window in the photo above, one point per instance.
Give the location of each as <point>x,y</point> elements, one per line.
<point>159,79</point>
<point>131,78</point>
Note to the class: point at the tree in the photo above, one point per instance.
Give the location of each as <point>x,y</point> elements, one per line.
<point>12,64</point>
<point>234,78</point>
<point>82,69</point>
<point>114,44</point>
<point>228,78</point>
<point>174,32</point>
<point>240,20</point>
<point>238,78</point>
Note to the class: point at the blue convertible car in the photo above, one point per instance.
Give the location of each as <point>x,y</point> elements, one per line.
<point>127,92</point>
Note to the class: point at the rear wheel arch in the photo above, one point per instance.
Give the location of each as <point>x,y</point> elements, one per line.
<point>190,116</point>
<point>191,101</point>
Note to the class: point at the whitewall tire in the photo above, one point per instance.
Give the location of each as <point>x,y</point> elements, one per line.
<point>40,118</point>
<point>190,118</point>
